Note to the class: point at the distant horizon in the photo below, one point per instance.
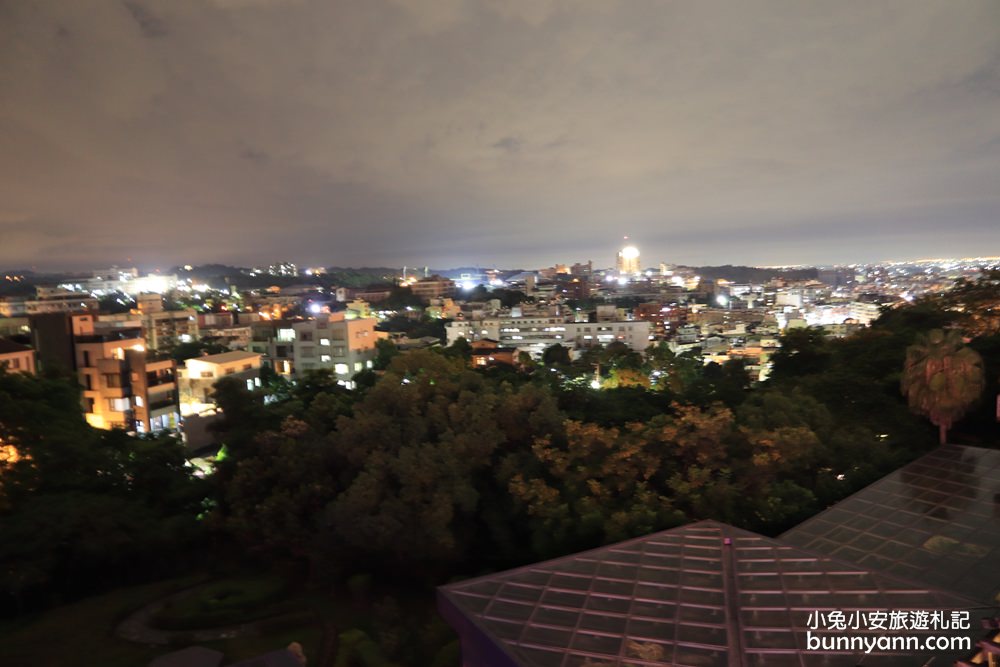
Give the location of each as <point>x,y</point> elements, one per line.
<point>414,268</point>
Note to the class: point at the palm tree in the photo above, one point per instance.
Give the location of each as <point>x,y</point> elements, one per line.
<point>942,378</point>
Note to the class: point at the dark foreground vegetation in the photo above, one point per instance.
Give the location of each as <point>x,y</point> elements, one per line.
<point>361,502</point>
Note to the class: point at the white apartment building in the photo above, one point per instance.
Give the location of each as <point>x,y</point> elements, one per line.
<point>336,342</point>
<point>534,333</point>
<point>198,377</point>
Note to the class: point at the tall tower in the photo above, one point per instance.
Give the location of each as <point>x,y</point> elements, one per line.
<point>628,260</point>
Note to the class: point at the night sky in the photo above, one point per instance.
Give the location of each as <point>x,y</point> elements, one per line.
<point>497,132</point>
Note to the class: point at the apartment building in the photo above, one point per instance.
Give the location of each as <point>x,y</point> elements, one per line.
<point>433,287</point>
<point>198,377</point>
<point>533,333</point>
<point>162,329</point>
<point>47,300</point>
<point>123,385</point>
<point>274,340</point>
<point>335,342</point>
<point>16,358</point>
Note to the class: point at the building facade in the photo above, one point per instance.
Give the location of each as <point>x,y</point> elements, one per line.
<point>16,358</point>
<point>198,377</point>
<point>337,343</point>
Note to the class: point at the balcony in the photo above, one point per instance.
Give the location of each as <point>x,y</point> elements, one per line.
<point>116,392</point>
<point>160,388</point>
<point>109,366</point>
<point>112,336</point>
<point>167,403</point>
<point>159,380</point>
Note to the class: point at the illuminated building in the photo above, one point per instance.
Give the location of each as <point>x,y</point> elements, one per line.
<point>533,333</point>
<point>198,377</point>
<point>163,329</point>
<point>16,358</point>
<point>628,261</point>
<point>335,342</point>
<point>48,300</point>
<point>433,287</point>
<point>124,386</point>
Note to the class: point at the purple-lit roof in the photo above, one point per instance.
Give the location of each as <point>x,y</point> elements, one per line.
<point>935,520</point>
<point>703,594</point>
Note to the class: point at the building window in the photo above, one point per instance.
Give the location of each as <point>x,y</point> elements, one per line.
<point>207,374</point>
<point>341,369</point>
<point>139,403</point>
<point>249,385</point>
<point>324,357</point>
<point>324,341</point>
<point>230,371</point>
<point>306,336</point>
<point>112,380</point>
<point>247,367</point>
<point>118,404</point>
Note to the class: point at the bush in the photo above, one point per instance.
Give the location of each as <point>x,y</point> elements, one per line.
<point>360,587</point>
<point>450,655</point>
<point>226,602</point>
<point>358,650</point>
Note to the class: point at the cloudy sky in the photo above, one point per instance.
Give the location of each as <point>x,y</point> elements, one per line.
<point>497,132</point>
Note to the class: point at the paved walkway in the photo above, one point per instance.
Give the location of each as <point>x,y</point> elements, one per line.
<point>137,628</point>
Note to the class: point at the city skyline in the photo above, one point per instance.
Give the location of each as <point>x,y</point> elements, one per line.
<point>502,133</point>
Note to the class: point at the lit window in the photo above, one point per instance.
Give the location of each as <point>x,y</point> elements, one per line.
<point>341,369</point>
<point>249,385</point>
<point>139,403</point>
<point>324,357</point>
<point>324,341</point>
<point>358,366</point>
<point>256,382</point>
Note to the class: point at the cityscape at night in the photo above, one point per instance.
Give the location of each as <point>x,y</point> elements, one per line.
<point>499,333</point>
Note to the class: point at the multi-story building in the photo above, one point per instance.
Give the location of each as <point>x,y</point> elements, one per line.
<point>16,358</point>
<point>123,385</point>
<point>433,287</point>
<point>163,329</point>
<point>534,332</point>
<point>274,340</point>
<point>48,300</point>
<point>198,377</point>
<point>335,342</point>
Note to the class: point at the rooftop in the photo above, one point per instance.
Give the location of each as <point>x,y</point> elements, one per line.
<point>702,594</point>
<point>8,346</point>
<point>227,357</point>
<point>935,520</point>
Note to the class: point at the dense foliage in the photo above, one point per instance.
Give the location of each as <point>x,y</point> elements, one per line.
<point>81,509</point>
<point>432,469</point>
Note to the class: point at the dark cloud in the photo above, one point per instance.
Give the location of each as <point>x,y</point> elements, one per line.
<point>501,131</point>
<point>509,144</point>
<point>148,23</point>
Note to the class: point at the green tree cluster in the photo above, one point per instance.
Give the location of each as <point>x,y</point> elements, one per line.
<point>82,510</point>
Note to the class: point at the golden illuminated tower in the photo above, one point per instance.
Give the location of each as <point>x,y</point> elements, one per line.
<point>628,260</point>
